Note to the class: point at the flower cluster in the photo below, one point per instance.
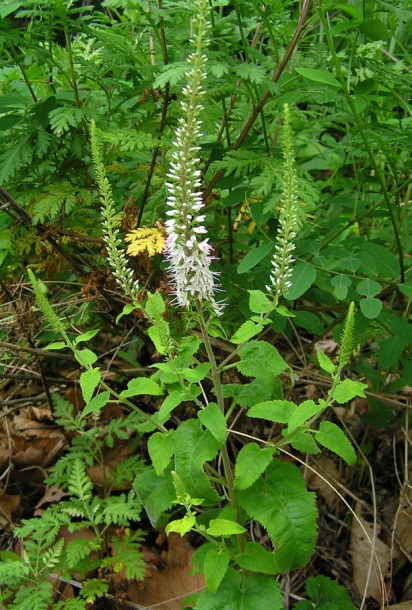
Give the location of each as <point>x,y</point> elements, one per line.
<point>187,248</point>
<point>283,259</point>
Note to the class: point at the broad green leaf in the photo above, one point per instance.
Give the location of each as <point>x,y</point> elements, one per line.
<point>253,257</point>
<point>193,447</point>
<point>196,374</point>
<point>370,307</point>
<point>387,263</point>
<point>325,362</point>
<point>348,389</point>
<point>85,357</point>
<point>306,410</point>
<point>215,566</point>
<point>213,419</point>
<point>160,447</point>
<point>374,29</point>
<point>140,386</point>
<point>224,528</point>
<point>390,351</point>
<point>262,388</point>
<point>333,438</point>
<point>181,526</point>
<point>279,411</point>
<point>340,285</point>
<point>282,504</point>
<point>89,380</point>
<point>155,305</point>
<point>158,334</point>
<point>328,595</point>
<point>257,559</point>
<point>402,329</point>
<point>303,441</point>
<point>319,76</point>
<point>174,399</point>
<point>368,287</point>
<point>96,404</point>
<point>255,592</point>
<point>406,289</point>
<point>258,302</point>
<point>127,309</point>
<point>302,278</point>
<point>248,330</point>
<point>260,359</point>
<point>250,463</point>
<point>156,493</point>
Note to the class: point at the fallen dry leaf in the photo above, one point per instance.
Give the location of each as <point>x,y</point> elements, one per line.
<point>363,547</point>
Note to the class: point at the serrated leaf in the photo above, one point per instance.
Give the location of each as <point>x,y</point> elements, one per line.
<point>333,438</point>
<point>251,72</point>
<point>348,389</point>
<point>215,566</point>
<point>304,441</point>
<point>213,419</point>
<point>224,528</point>
<point>278,411</point>
<point>181,526</point>
<point>85,357</point>
<point>250,463</point>
<point>196,374</point>
<point>257,592</point>
<point>328,595</point>
<point>193,447</point>
<point>141,386</point>
<point>302,413</point>
<point>96,404</point>
<point>258,302</point>
<point>248,330</point>
<point>282,504</point>
<point>89,380</point>
<point>174,399</point>
<point>260,359</point>
<point>156,493</point>
<point>325,362</point>
<point>257,559</point>
<point>160,447</point>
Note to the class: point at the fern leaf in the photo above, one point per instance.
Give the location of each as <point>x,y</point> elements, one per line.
<point>15,158</point>
<point>62,118</point>
<point>80,485</point>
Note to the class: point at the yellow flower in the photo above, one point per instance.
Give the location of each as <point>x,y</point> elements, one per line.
<point>150,240</point>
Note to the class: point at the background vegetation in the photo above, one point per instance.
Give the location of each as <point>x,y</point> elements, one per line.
<point>344,69</point>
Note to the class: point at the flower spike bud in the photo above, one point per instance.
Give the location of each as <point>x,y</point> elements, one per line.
<point>187,247</point>
<point>346,347</point>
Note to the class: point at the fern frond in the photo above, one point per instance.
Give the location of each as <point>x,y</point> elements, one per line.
<point>80,484</point>
<point>62,118</point>
<point>240,163</point>
<point>15,158</point>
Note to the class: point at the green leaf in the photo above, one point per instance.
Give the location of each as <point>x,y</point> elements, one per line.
<point>279,411</point>
<point>127,309</point>
<point>340,285</point>
<point>303,441</point>
<point>155,305</point>
<point>302,278</point>
<point>213,419</point>
<point>251,72</point>
<point>333,438</point>
<point>306,410</point>
<point>348,389</point>
<point>406,289</point>
<point>260,359</point>
<point>96,404</point>
<point>325,362</point>
<point>86,336</point>
<point>250,463</point>
<point>253,258</point>
<point>258,302</point>
<point>224,528</point>
<point>56,345</point>
<point>141,386</point>
<point>390,351</point>
<point>328,595</point>
<point>256,592</point>
<point>215,566</point>
<point>85,357</point>
<point>89,380</point>
<point>368,287</point>
<point>196,374</point>
<point>248,330</point>
<point>160,447</point>
<point>370,307</point>
<point>181,526</point>
<point>156,493</point>
<point>319,76</point>
<point>193,447</point>
<point>257,559</point>
<point>174,399</point>
<point>282,504</point>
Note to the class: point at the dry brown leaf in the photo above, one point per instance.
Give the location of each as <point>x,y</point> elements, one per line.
<point>403,523</point>
<point>170,586</point>
<point>363,547</point>
<point>328,470</point>
<point>8,504</point>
